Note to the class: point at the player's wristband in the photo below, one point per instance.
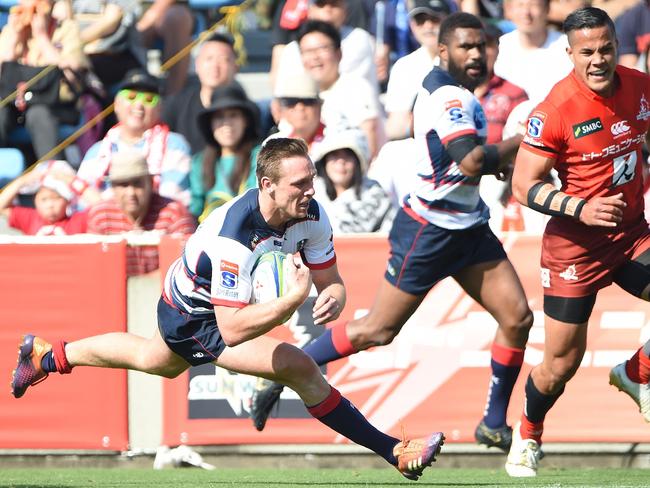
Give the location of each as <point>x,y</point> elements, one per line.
<point>78,186</point>
<point>544,198</point>
<point>490,160</point>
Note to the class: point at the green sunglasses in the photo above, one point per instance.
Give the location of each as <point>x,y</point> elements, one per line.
<point>146,98</point>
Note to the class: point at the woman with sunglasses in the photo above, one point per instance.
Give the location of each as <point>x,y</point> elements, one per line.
<point>226,167</point>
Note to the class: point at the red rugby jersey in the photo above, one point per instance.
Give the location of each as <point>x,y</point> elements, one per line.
<point>596,141</point>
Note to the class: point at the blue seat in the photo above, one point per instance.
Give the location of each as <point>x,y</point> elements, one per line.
<point>12,163</point>
<point>209,4</point>
<point>7,4</point>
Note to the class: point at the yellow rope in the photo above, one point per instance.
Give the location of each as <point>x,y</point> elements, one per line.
<point>230,19</point>
<point>28,84</point>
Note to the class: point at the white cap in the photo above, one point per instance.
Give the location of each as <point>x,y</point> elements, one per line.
<point>296,85</point>
<point>352,139</point>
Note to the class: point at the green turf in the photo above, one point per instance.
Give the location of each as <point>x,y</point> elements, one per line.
<point>268,478</point>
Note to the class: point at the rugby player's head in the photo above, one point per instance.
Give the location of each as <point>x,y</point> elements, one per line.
<point>462,49</point>
<point>593,48</point>
<point>285,176</point>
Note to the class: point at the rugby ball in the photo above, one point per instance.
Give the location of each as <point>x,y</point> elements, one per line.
<point>269,276</point>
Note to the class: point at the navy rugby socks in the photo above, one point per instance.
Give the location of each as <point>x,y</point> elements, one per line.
<point>341,416</point>
<point>506,364</point>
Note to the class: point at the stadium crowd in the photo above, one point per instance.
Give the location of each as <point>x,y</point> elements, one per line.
<point>344,75</point>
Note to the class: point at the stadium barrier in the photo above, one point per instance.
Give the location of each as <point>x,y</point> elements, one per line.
<point>433,376</point>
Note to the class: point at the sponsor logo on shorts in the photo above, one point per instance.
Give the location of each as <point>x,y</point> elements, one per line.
<point>587,127</point>
<point>391,270</point>
<point>546,277</point>
<point>229,274</point>
<point>620,128</point>
<point>570,273</point>
<point>198,355</point>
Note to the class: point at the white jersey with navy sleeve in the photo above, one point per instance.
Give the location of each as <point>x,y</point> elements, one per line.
<point>215,267</point>
<point>444,196</point>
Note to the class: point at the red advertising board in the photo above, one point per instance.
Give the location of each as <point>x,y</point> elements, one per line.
<point>63,291</point>
<point>434,376</point>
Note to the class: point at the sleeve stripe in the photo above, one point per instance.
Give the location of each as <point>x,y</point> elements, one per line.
<point>325,265</point>
<point>544,150</point>
<point>464,132</point>
<point>220,302</point>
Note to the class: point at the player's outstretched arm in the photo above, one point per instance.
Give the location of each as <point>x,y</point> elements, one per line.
<point>331,294</point>
<point>238,325</point>
<point>530,189</point>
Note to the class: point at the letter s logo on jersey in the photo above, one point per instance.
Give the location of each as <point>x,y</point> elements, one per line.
<point>229,274</point>
<point>536,124</point>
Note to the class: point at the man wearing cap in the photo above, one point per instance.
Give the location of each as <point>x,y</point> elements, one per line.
<point>408,72</point>
<point>215,66</point>
<point>52,213</point>
<point>136,207</point>
<point>296,108</point>
<point>139,128</point>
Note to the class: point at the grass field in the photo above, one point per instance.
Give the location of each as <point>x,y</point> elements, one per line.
<point>268,478</point>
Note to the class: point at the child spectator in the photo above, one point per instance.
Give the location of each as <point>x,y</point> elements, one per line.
<point>354,203</point>
<point>53,213</point>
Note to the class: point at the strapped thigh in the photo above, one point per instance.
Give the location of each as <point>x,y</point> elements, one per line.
<point>634,276</point>
<point>572,310</point>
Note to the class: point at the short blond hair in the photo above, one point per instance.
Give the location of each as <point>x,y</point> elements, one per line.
<point>273,152</point>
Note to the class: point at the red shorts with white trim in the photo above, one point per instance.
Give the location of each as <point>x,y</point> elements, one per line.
<point>578,260</point>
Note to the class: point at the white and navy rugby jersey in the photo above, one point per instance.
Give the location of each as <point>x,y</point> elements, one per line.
<point>215,267</point>
<point>444,196</point>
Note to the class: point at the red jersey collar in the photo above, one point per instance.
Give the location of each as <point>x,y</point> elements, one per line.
<point>586,91</point>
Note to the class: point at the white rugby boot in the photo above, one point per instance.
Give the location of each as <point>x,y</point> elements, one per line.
<point>523,457</point>
<point>639,392</point>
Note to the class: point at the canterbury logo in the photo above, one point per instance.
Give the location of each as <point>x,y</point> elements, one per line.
<point>620,128</point>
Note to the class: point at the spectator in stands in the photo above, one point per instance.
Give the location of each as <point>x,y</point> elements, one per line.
<point>614,8</point>
<point>296,109</point>
<point>486,9</point>
<point>226,167</point>
<point>532,56</point>
<point>497,96</point>
<point>136,208</point>
<point>172,23</point>
<point>560,9</point>
<point>408,72</point>
<point>137,108</point>
<point>348,99</point>
<point>633,33</point>
<point>357,46</point>
<point>354,203</point>
<point>215,66</point>
<point>110,38</point>
<point>53,213</point>
<point>37,35</point>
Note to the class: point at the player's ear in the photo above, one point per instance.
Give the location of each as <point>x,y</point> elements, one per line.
<point>266,184</point>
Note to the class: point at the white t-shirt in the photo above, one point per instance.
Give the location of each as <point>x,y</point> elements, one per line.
<point>349,102</point>
<point>406,78</point>
<point>534,70</point>
<point>395,169</point>
<point>357,56</point>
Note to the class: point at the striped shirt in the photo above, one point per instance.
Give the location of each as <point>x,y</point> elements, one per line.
<point>164,215</point>
<point>443,111</point>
